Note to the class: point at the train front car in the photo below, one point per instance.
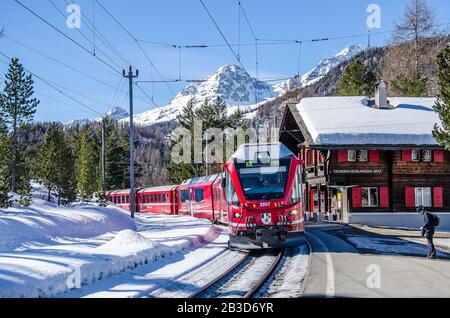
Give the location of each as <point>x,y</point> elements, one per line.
<point>263,192</point>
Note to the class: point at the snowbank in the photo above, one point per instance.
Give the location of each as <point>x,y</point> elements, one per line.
<point>45,222</point>
<point>48,250</point>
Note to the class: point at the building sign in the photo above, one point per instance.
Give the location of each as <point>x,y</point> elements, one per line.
<point>358,171</point>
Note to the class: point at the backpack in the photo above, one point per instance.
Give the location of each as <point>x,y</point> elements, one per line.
<point>436,220</point>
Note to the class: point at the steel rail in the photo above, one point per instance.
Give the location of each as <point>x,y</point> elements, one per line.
<point>266,276</point>
<point>202,290</point>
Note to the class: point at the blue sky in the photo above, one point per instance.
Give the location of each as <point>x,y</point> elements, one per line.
<point>181,22</point>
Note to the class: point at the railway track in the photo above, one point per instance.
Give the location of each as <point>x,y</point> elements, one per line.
<point>245,278</point>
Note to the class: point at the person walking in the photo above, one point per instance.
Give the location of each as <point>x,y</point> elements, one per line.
<point>428,229</point>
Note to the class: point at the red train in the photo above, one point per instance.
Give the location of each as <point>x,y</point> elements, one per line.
<point>258,196</point>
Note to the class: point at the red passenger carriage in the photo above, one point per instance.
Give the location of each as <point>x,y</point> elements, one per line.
<point>195,197</point>
<point>120,198</point>
<point>161,200</point>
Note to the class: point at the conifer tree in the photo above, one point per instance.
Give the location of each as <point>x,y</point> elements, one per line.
<point>87,166</point>
<point>54,165</point>
<point>187,115</point>
<point>410,87</point>
<point>442,106</point>
<point>213,114</point>
<point>357,80</point>
<point>18,106</point>
<point>4,170</point>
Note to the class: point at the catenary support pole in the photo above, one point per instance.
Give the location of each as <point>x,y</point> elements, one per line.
<point>130,77</point>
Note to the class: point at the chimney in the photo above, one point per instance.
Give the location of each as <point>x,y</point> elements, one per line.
<point>381,101</point>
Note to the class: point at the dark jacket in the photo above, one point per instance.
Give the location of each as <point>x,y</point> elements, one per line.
<point>428,228</point>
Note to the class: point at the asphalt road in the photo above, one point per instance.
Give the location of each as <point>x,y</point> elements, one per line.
<point>339,270</point>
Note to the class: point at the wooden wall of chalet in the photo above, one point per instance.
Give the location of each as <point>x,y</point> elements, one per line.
<point>373,179</point>
<point>396,174</point>
<point>420,174</point>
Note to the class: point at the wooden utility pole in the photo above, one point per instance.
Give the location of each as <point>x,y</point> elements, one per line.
<point>130,77</point>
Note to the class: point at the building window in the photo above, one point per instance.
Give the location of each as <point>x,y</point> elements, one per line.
<point>423,197</point>
<point>351,155</point>
<point>415,155</point>
<point>426,155</point>
<point>363,155</point>
<point>369,197</point>
<point>309,157</point>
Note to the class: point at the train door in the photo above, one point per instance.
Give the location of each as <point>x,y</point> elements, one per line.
<point>313,201</point>
<point>322,201</point>
<point>190,203</point>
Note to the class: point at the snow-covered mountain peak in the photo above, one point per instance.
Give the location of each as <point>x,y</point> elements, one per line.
<point>319,71</point>
<point>230,82</point>
<point>117,113</point>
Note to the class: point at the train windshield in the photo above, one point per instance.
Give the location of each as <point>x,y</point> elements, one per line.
<point>264,181</point>
<point>263,170</point>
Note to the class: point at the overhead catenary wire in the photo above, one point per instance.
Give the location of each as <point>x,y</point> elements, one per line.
<point>140,47</point>
<point>223,35</point>
<point>65,35</point>
<point>101,66</point>
<point>59,62</point>
<point>98,35</point>
<point>47,82</point>
<point>256,50</point>
<point>92,42</point>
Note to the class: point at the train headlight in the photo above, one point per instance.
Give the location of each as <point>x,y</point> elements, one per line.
<point>294,212</point>
<point>237,215</point>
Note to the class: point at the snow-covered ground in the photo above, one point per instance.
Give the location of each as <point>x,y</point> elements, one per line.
<point>288,279</point>
<point>178,275</point>
<point>392,246</point>
<point>46,250</point>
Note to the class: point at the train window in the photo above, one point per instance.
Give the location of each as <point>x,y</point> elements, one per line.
<point>184,195</point>
<point>297,187</point>
<point>264,182</point>
<point>165,197</point>
<point>199,195</point>
<point>127,199</point>
<point>231,195</point>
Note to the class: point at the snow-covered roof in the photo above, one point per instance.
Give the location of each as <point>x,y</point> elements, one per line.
<point>158,189</point>
<point>198,180</point>
<point>351,121</point>
<point>275,151</point>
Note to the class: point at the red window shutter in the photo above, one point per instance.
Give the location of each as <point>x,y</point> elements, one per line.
<point>384,197</point>
<point>356,197</point>
<point>438,156</point>
<point>438,198</point>
<point>410,199</point>
<point>407,155</point>
<point>342,155</point>
<point>374,155</point>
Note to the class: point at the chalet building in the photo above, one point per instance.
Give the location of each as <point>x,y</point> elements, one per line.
<point>369,161</point>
